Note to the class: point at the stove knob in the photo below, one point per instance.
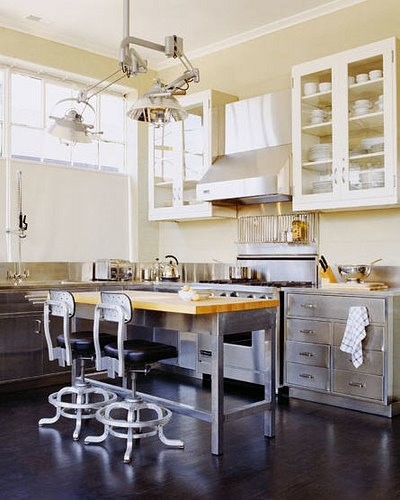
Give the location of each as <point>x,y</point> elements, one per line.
<point>262,297</point>
<point>234,294</point>
<point>223,294</point>
<point>251,296</point>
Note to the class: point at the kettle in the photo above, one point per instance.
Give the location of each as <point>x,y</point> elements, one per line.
<point>170,270</point>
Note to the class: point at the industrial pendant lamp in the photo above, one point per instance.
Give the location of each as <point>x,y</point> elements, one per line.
<point>158,106</point>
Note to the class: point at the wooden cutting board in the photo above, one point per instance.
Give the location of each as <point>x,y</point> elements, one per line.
<point>171,302</point>
<point>368,286</point>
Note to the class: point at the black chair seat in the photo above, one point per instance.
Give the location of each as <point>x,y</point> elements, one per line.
<point>142,351</point>
<point>83,341</point>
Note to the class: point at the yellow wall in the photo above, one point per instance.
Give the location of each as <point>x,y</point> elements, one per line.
<point>264,65</point>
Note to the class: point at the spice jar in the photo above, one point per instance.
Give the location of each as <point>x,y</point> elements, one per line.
<point>299,230</point>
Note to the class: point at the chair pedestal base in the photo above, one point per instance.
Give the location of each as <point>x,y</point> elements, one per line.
<point>78,402</point>
<point>133,426</point>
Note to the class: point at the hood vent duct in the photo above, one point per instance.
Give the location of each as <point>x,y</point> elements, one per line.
<point>256,166</point>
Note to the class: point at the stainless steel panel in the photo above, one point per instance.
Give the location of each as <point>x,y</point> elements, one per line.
<point>373,362</point>
<point>303,330</point>
<point>258,122</point>
<point>307,354</point>
<point>313,377</point>
<point>21,349</point>
<point>374,341</point>
<point>187,350</point>
<point>358,384</point>
<point>333,307</point>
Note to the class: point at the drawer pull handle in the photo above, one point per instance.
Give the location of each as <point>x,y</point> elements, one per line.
<point>307,332</point>
<point>306,375</point>
<point>308,306</point>
<point>357,384</point>
<point>306,354</point>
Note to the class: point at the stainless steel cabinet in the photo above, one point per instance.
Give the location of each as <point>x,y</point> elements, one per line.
<point>21,347</point>
<point>315,367</point>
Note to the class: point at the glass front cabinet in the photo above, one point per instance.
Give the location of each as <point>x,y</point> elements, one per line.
<point>345,145</point>
<point>179,155</point>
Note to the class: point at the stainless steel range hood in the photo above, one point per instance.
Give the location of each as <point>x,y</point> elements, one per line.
<point>256,166</point>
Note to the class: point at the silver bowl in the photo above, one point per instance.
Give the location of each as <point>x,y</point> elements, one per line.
<point>354,272</point>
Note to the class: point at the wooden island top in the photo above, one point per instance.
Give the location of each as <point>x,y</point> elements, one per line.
<point>171,302</point>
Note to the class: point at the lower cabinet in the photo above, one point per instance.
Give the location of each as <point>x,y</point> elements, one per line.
<point>21,347</point>
<point>315,367</point>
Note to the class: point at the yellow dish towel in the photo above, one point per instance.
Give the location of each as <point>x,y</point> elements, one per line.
<point>355,333</point>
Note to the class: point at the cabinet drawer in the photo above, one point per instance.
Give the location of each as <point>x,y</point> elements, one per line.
<point>372,362</point>
<point>313,377</point>
<point>358,384</point>
<point>333,306</point>
<point>307,354</point>
<point>303,330</point>
<point>373,341</point>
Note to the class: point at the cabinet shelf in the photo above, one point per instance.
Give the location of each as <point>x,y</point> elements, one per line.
<point>371,88</point>
<point>318,166</point>
<point>319,98</point>
<point>370,120</point>
<point>320,129</point>
<point>367,156</point>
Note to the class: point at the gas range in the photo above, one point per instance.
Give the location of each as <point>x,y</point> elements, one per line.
<point>249,288</point>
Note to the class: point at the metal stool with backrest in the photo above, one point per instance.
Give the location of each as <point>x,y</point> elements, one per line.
<point>81,400</point>
<point>132,356</point>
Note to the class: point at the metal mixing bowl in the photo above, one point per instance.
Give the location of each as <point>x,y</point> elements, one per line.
<point>354,272</point>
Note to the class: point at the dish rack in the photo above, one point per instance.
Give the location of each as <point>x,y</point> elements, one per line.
<point>298,228</point>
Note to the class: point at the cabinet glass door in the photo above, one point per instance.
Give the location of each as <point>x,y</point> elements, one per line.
<point>194,151</point>
<point>366,131</point>
<point>317,134</point>
<point>165,151</point>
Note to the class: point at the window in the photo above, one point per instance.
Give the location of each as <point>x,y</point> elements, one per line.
<point>33,98</point>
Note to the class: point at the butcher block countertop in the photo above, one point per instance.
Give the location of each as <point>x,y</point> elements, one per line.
<point>171,302</point>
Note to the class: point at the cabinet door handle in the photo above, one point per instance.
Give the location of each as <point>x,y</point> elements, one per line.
<point>343,178</point>
<point>38,326</point>
<point>357,384</point>
<point>307,332</point>
<point>335,175</point>
<point>308,306</point>
<point>306,375</point>
<point>306,354</point>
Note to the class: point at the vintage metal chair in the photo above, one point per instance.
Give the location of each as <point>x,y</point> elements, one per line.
<point>129,356</point>
<point>80,400</point>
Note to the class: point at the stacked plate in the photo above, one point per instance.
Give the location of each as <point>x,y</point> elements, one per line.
<point>322,186</point>
<point>373,144</point>
<point>320,152</point>
<point>361,107</point>
<point>373,177</point>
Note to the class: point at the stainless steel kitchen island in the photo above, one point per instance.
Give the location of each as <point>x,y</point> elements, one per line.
<point>216,316</point>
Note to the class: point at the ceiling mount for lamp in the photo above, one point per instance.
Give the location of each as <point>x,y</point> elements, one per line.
<point>158,106</point>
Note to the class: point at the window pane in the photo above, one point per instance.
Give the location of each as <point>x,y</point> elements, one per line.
<point>55,151</point>
<point>26,100</point>
<point>54,94</point>
<point>111,156</point>
<point>26,142</point>
<point>85,155</point>
<point>112,121</point>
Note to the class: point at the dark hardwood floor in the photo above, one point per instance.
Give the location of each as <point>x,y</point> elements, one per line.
<point>318,452</point>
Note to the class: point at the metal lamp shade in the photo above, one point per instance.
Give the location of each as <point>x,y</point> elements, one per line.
<point>70,128</point>
<point>157,109</point>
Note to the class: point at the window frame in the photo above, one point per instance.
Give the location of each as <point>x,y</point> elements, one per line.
<point>74,85</point>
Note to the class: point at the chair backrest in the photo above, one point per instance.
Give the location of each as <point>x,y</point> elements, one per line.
<point>61,303</point>
<point>115,307</point>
